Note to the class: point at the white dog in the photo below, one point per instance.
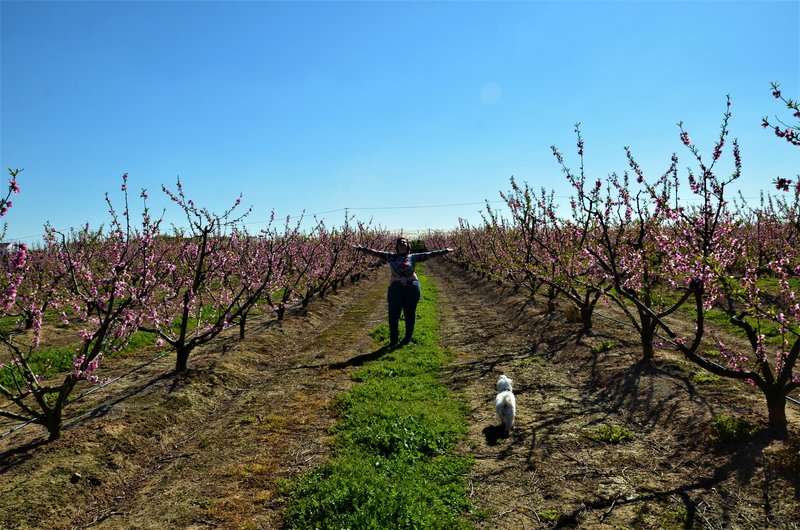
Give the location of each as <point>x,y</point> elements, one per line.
<point>505,404</point>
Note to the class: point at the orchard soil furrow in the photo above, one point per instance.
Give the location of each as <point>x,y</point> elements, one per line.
<point>551,473</point>
<point>210,448</point>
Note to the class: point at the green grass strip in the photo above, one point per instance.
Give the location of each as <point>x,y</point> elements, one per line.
<point>49,362</point>
<point>395,463</point>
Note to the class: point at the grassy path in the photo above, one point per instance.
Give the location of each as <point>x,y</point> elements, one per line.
<point>395,462</point>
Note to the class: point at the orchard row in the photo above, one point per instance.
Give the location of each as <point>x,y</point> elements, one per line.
<point>184,287</point>
<point>661,254</point>
<point>665,257</point>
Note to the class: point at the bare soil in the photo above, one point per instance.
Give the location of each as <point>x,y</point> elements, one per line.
<point>211,448</point>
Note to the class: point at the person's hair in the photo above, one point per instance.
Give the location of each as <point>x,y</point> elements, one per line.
<point>397,244</point>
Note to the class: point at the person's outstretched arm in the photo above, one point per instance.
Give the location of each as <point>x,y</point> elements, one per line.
<point>377,253</point>
<point>422,256</point>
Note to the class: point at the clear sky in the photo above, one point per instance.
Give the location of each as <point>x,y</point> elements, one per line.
<point>409,113</point>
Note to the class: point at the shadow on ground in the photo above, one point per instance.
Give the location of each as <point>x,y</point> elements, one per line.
<point>359,360</point>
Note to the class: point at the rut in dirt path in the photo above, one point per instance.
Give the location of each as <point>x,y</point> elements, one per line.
<point>275,428</point>
<point>488,337</point>
<point>491,331</point>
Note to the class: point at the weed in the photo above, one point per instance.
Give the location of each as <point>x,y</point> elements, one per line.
<point>381,333</point>
<point>139,340</point>
<point>480,514</point>
<point>48,362</point>
<point>680,515</point>
<point>702,378</point>
<point>264,497</point>
<point>611,434</point>
<point>603,346</point>
<point>528,361</point>
<point>549,514</point>
<point>250,470</point>
<point>273,422</point>
<point>8,324</point>
<point>727,429</point>
<point>83,409</point>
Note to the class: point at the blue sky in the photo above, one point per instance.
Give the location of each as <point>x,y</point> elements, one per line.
<point>397,110</point>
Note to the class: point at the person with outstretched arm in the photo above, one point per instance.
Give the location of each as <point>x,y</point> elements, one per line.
<point>404,290</point>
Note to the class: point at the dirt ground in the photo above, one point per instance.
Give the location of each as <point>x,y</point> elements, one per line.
<point>210,449</point>
<point>551,473</point>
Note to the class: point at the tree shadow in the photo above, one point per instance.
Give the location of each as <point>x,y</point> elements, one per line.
<point>7,458</point>
<point>635,390</point>
<point>464,373</point>
<point>782,468</point>
<point>105,407</point>
<point>741,462</point>
<point>17,455</point>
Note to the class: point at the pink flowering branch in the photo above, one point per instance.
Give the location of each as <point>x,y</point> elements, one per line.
<point>106,280</point>
<point>217,273</point>
<point>13,189</point>
<point>790,133</point>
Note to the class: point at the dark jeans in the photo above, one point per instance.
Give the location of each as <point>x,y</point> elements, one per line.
<point>402,298</point>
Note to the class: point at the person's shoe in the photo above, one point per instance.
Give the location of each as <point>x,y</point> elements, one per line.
<point>409,340</point>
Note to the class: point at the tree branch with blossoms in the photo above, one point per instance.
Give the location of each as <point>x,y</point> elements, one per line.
<point>790,133</point>
<point>109,279</point>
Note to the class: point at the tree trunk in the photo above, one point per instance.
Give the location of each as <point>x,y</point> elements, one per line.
<point>280,311</point>
<point>182,360</point>
<point>647,350</point>
<point>647,335</point>
<point>55,432</point>
<point>776,405</point>
<point>551,299</point>
<point>52,422</point>
<point>586,320</point>
<point>242,322</point>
